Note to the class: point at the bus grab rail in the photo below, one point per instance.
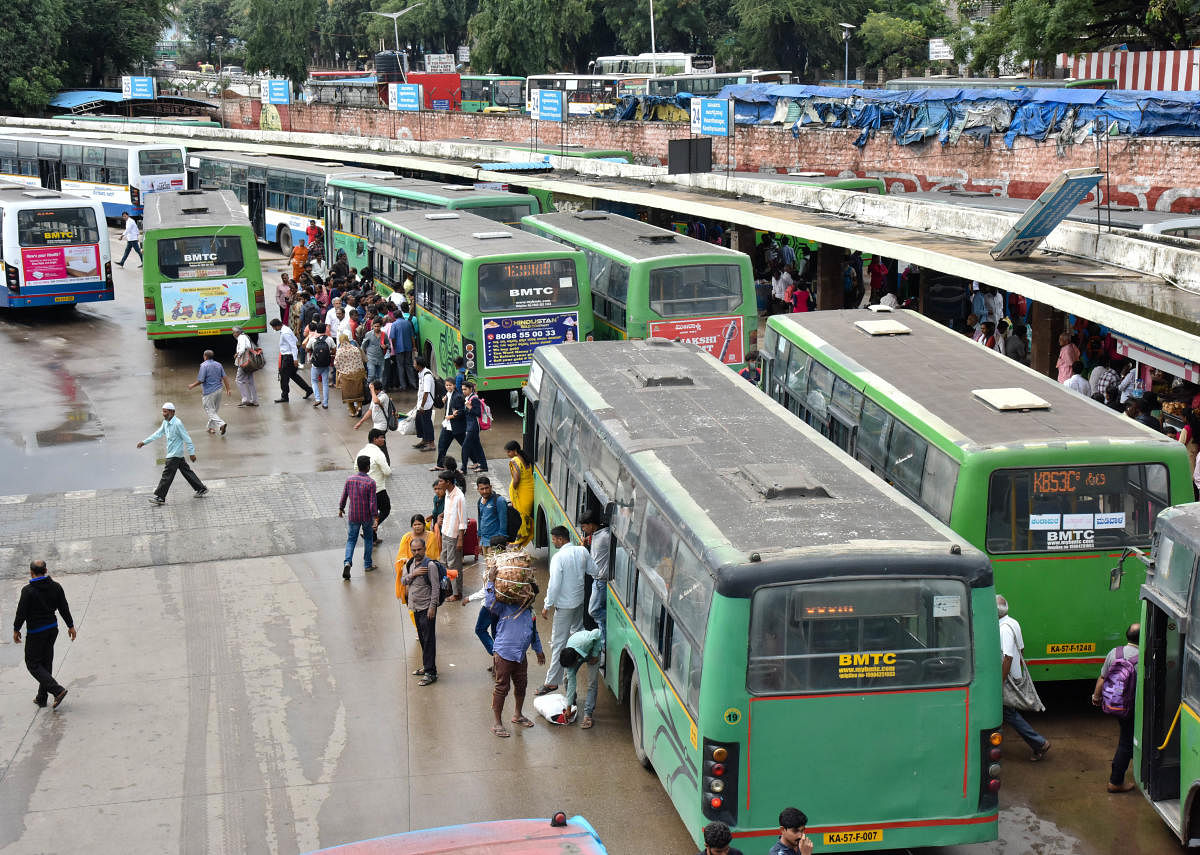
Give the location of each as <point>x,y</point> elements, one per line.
<point>1171,729</point>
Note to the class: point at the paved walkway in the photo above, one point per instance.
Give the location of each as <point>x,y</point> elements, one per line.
<point>90,530</point>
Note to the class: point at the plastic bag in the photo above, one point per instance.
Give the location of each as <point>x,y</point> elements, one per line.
<point>408,424</point>
<point>553,708</point>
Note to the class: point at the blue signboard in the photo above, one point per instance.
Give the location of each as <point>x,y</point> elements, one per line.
<point>548,105</point>
<point>712,117</point>
<point>405,97</point>
<point>1056,201</point>
<point>511,340</point>
<point>137,87</point>
<point>279,92</point>
<point>441,104</point>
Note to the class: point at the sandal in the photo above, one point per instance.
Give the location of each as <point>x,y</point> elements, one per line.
<point>545,690</point>
<point>420,672</point>
<point>500,731</point>
<point>586,723</point>
<point>522,720</point>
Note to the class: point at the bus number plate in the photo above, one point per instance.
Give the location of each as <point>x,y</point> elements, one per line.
<point>208,332</point>
<point>870,835</point>
<point>67,299</point>
<point>1081,647</point>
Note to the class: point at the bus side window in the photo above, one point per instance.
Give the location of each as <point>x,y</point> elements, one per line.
<point>649,615</point>
<point>622,563</point>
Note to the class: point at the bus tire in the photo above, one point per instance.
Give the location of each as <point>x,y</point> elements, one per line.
<point>283,237</point>
<point>160,344</point>
<point>636,724</point>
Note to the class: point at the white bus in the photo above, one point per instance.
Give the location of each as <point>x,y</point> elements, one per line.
<point>53,248</point>
<point>709,84</point>
<point>656,63</point>
<point>587,93</point>
<point>117,174</point>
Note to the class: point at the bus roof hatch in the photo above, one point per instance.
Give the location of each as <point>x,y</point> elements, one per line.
<point>783,482</point>
<point>1011,399</point>
<point>661,374</point>
<point>882,327</point>
<point>591,215</point>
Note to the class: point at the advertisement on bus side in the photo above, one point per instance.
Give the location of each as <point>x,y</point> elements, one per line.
<point>57,265</point>
<point>206,301</point>
<point>511,340</point>
<point>722,337</point>
<point>115,193</point>
<point>159,183</point>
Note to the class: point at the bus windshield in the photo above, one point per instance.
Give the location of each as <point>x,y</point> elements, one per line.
<point>504,286</point>
<point>1074,507</point>
<point>160,161</point>
<point>199,257</point>
<point>859,635</point>
<point>695,290</point>
<point>508,214</point>
<point>57,227</point>
<point>508,93</point>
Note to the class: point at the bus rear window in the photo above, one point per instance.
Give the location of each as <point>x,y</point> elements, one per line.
<point>199,257</point>
<point>1067,508</point>
<point>160,161</point>
<point>504,286</point>
<point>57,227</point>
<point>702,289</point>
<point>859,635</point>
<point>508,214</point>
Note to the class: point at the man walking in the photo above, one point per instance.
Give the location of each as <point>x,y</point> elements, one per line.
<point>132,238</point>
<point>601,539</point>
<point>586,645</point>
<point>177,437</point>
<point>320,359</point>
<point>565,595</point>
<point>1012,645</point>
<point>423,576</point>
<point>492,513</point>
<point>40,599</point>
<point>244,378</point>
<point>359,493</point>
<point>283,296</point>
<point>424,405</point>
<point>289,352</point>
<point>516,632</point>
<point>400,338</point>
<point>212,380</point>
<point>454,526</point>
<point>1124,753</point>
<point>381,469</point>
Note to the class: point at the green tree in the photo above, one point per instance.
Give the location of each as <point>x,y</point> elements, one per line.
<point>29,44</point>
<point>799,35</point>
<point>108,37</point>
<point>531,36</point>
<point>679,25</point>
<point>343,30</point>
<point>280,37</point>
<point>204,20</point>
<point>893,43</point>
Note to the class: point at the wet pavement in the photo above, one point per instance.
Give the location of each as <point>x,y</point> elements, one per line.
<point>229,693</point>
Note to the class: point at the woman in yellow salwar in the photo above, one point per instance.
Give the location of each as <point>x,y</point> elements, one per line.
<point>520,490</point>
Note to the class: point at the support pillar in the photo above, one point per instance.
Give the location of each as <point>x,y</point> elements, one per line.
<point>1045,324</point>
<point>829,277</point>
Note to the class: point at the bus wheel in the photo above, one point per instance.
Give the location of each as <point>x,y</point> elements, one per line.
<point>160,343</point>
<point>283,236</point>
<point>635,720</point>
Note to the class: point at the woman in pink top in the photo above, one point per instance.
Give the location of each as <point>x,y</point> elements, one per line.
<point>1067,354</point>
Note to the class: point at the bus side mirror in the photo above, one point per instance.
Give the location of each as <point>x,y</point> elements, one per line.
<point>514,402</point>
<point>1115,575</point>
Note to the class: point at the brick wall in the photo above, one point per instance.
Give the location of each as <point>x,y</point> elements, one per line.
<point>1154,173</point>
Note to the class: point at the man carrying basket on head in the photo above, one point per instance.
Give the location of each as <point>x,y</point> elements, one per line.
<point>516,631</point>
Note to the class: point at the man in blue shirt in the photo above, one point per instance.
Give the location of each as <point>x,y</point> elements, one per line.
<point>401,335</point>
<point>211,379</point>
<point>515,632</point>
<point>177,437</point>
<point>492,512</point>
<point>792,839</point>
<point>587,645</point>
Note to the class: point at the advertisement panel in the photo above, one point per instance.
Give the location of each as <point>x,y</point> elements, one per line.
<point>115,193</point>
<point>205,301</point>
<point>511,340</point>
<point>722,337</point>
<point>57,265</point>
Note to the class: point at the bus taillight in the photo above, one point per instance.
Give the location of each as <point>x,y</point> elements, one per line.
<point>12,278</point>
<point>135,197</point>
<point>108,280</point>
<point>151,312</point>
<point>989,768</point>
<point>259,308</point>
<point>469,355</point>
<point>720,781</point>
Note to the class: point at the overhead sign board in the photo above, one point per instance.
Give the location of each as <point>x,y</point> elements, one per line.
<point>279,92</point>
<point>712,117</point>
<point>548,105</point>
<point>405,97</point>
<point>939,49</point>
<point>137,88</point>
<point>464,53</point>
<point>439,63</point>
<point>1055,203</point>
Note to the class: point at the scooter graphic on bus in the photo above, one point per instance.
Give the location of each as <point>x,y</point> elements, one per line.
<point>180,311</point>
<point>206,309</point>
<point>228,308</point>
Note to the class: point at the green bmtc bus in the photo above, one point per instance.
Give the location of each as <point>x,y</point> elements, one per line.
<point>485,291</point>
<point>1166,725</point>
<point>784,629</point>
<point>648,281</point>
<point>351,202</point>
<point>1050,484</point>
<point>200,273</point>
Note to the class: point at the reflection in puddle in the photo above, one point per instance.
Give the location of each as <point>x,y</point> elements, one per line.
<point>80,423</point>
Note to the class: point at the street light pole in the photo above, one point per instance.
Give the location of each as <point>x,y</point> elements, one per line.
<point>846,28</point>
<point>653,47</point>
<point>395,17</point>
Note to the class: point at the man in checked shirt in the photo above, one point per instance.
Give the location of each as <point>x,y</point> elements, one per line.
<point>359,493</point>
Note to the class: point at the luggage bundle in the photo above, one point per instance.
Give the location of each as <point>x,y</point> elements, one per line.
<point>513,572</point>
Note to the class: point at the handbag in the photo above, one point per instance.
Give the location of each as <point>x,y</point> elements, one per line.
<point>252,359</point>
<point>1021,694</point>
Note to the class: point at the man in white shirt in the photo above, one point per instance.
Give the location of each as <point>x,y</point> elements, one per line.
<point>381,469</point>
<point>244,378</point>
<point>454,526</point>
<point>1077,382</point>
<point>331,319</point>
<point>1012,645</point>
<point>564,593</point>
<point>424,405</point>
<point>132,238</point>
<point>781,282</point>
<point>289,352</point>
<point>377,412</point>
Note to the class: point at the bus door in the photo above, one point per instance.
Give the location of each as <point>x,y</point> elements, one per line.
<point>1162,684</point>
<point>256,208</point>
<point>50,174</point>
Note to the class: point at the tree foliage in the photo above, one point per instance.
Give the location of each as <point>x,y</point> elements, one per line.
<point>204,20</point>
<point>893,43</point>
<point>799,35</point>
<point>531,36</point>
<point>29,48</point>
<point>342,30</point>
<point>107,37</point>
<point>280,37</point>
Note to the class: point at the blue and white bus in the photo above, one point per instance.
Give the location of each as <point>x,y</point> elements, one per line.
<point>279,194</point>
<point>117,174</point>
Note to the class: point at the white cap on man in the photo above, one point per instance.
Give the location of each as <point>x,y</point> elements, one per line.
<point>169,406</point>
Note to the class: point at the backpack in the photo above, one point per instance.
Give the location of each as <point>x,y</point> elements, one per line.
<point>322,354</point>
<point>439,394</point>
<point>1117,693</point>
<point>393,418</point>
<point>485,413</point>
<point>444,587</point>
<point>514,521</point>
